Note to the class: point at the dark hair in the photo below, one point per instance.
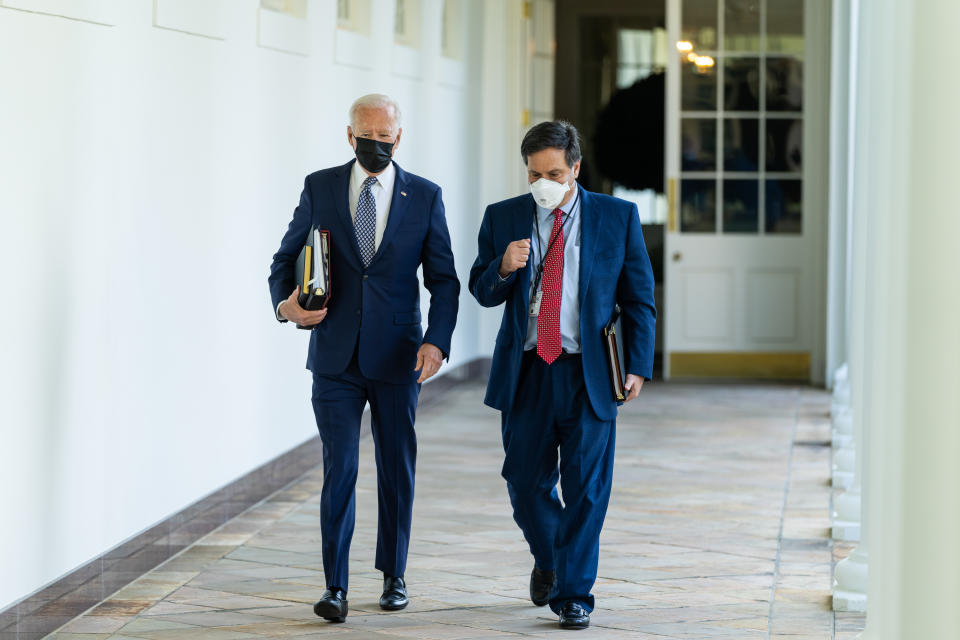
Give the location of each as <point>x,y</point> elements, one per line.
<point>555,134</point>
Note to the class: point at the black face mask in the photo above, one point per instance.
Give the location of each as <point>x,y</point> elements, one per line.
<point>373,155</point>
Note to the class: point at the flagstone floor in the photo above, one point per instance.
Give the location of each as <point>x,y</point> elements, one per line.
<point>717,528</point>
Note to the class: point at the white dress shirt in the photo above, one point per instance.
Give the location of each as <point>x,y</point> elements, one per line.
<point>382,191</point>
<point>570,287</point>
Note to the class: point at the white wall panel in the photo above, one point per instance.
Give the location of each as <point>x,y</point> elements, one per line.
<point>407,61</point>
<point>353,48</point>
<point>453,73</point>
<point>147,180</point>
<point>208,18</point>
<point>708,298</point>
<point>105,12</point>
<point>283,32</point>
<point>772,310</point>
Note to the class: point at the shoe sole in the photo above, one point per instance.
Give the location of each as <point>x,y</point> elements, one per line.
<point>574,625</point>
<point>329,612</point>
<point>394,607</point>
<point>546,598</point>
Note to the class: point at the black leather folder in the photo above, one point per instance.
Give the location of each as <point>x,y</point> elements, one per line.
<point>614,349</point>
<point>313,271</point>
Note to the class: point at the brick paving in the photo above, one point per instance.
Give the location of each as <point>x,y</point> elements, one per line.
<point>718,528</point>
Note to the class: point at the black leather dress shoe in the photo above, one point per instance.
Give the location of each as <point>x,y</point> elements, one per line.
<point>394,595</point>
<point>541,584</point>
<point>333,605</point>
<point>573,616</point>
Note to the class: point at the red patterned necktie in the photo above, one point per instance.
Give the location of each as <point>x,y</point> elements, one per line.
<point>548,322</point>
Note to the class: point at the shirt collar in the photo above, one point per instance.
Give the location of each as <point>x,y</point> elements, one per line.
<point>386,179</point>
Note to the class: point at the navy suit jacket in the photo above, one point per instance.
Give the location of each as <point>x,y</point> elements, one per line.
<point>614,269</point>
<point>377,309</point>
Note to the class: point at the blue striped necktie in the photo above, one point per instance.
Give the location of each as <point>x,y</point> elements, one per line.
<point>366,224</point>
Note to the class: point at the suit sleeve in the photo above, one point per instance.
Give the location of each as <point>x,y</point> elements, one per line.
<point>635,297</point>
<point>440,279</point>
<point>486,285</point>
<point>282,269</point>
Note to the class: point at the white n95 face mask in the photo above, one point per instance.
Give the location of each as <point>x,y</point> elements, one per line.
<point>549,193</point>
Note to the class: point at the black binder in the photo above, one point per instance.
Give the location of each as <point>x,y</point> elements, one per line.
<point>614,348</point>
<point>313,271</point>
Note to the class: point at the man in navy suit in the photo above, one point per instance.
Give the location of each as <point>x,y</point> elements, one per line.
<point>367,345</point>
<point>561,260</point>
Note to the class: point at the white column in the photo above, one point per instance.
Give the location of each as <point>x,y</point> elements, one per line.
<point>850,575</point>
<point>838,253</point>
<point>841,421</point>
<point>844,446</point>
<point>914,477</point>
<point>846,508</point>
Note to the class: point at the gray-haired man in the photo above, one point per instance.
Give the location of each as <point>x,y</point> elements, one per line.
<point>368,344</point>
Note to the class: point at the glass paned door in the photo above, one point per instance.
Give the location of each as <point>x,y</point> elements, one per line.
<point>740,241</point>
<point>741,110</point>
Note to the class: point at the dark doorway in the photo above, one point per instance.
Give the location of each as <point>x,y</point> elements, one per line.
<point>610,61</point>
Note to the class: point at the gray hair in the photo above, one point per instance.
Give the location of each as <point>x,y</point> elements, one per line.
<point>374,101</point>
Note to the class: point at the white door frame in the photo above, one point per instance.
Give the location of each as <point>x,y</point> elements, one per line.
<point>816,60</point>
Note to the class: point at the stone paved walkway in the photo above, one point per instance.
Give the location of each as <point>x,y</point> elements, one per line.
<point>718,528</point>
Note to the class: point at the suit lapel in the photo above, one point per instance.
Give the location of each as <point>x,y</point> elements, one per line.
<point>589,236</point>
<point>399,206</point>
<point>523,228</point>
<point>340,189</point>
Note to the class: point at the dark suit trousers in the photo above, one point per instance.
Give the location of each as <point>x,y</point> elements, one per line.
<point>338,402</point>
<point>551,413</point>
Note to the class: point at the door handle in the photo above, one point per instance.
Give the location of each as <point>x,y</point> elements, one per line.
<point>677,256</point>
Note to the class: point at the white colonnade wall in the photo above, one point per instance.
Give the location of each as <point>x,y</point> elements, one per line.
<point>148,175</point>
<point>903,345</point>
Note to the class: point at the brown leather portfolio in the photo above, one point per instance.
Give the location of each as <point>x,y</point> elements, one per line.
<point>614,351</point>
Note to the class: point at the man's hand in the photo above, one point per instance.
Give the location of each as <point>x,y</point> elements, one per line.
<point>429,359</point>
<point>632,385</point>
<point>515,257</point>
<point>292,311</point>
